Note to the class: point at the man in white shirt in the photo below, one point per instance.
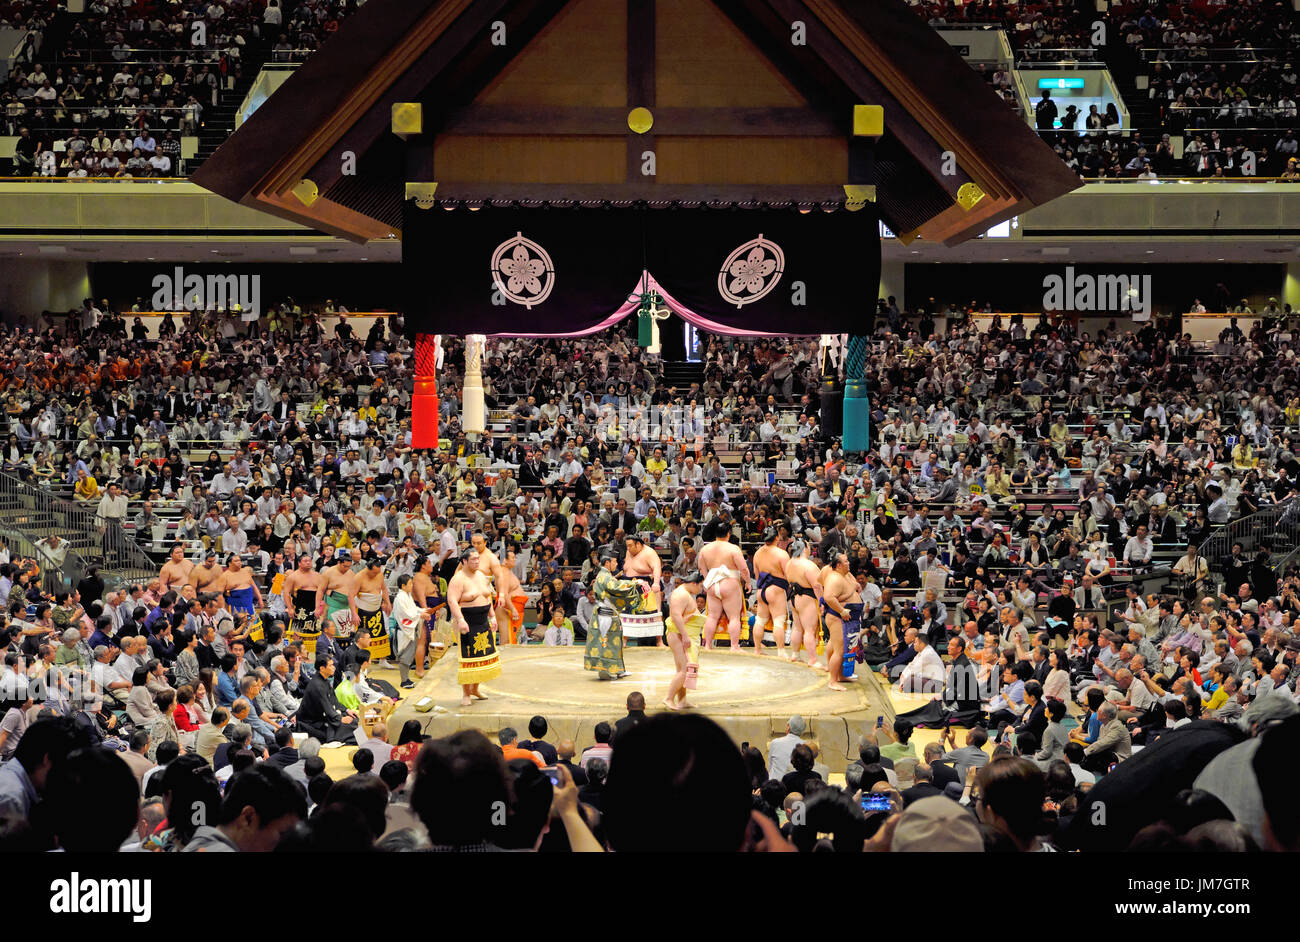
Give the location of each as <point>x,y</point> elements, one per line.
<point>128,661</point>
<point>445,556</point>
<point>1273,682</point>
<point>1134,696</point>
<point>353,468</point>
<point>586,613</point>
<point>780,749</point>
<point>559,633</point>
<point>106,679</point>
<point>391,462</point>
<point>224,483</point>
<point>377,518</point>
<point>112,507</point>
<point>1218,511</point>
<point>690,473</point>
<point>570,470</point>
<point>1101,501</point>
<point>53,549</point>
<point>234,539</point>
<point>267,505</point>
<point>631,467</point>
<point>1138,549</point>
<point>925,672</point>
<point>1193,566</point>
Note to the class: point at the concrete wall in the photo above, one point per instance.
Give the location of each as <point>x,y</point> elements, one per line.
<point>984,45</point>
<point>39,285</point>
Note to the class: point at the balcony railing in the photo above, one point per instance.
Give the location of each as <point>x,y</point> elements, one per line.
<point>1277,525</point>
<point>28,513</point>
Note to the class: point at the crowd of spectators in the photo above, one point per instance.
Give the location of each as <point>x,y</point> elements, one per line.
<point>131,78</point>
<point>662,783</point>
<point>203,420</point>
<point>1040,31</point>
<point>1041,474</point>
<point>1218,66</point>
<point>1222,77</point>
<point>1210,155</point>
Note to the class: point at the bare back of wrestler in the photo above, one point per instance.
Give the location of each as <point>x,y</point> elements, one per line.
<point>771,562</point>
<point>726,577</point>
<point>805,580</point>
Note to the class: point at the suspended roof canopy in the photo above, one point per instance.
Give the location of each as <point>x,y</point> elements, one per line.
<point>749,102</point>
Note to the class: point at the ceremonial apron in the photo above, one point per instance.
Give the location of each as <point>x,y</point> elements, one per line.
<point>335,603</point>
<point>370,615</point>
<point>852,627</point>
<point>305,629</point>
<point>242,600</point>
<point>479,659</point>
<point>640,618</point>
<point>517,606</point>
<point>852,638</point>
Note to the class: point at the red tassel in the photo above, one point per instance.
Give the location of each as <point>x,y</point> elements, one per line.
<point>424,404</point>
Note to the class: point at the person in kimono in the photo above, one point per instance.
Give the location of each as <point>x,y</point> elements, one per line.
<point>614,596</point>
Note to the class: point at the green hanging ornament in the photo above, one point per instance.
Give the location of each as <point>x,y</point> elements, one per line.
<point>645,318</point>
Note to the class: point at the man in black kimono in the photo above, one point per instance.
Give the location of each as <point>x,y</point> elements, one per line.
<point>321,715</point>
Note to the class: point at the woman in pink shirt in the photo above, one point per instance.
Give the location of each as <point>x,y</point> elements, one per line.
<point>1057,684</point>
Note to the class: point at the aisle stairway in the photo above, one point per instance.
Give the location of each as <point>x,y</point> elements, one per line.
<point>680,374</point>
<point>30,513</point>
<point>1143,111</point>
<point>219,121</point>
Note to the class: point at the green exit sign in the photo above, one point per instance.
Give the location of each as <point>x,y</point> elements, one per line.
<point>1060,83</point>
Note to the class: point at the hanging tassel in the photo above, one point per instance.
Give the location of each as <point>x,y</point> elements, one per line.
<point>424,404</point>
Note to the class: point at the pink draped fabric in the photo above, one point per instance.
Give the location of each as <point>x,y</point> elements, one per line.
<point>629,307</point>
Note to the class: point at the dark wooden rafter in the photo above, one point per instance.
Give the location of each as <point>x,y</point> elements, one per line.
<point>822,65</point>
<point>856,50</point>
<point>365,97</point>
<point>438,52</point>
<point>640,82</point>
<point>465,51</point>
<point>534,121</point>
<point>994,144</point>
<point>641,190</point>
<point>1007,160</point>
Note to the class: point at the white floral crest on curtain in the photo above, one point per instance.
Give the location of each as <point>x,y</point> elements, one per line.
<point>522,271</point>
<point>751,271</point>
